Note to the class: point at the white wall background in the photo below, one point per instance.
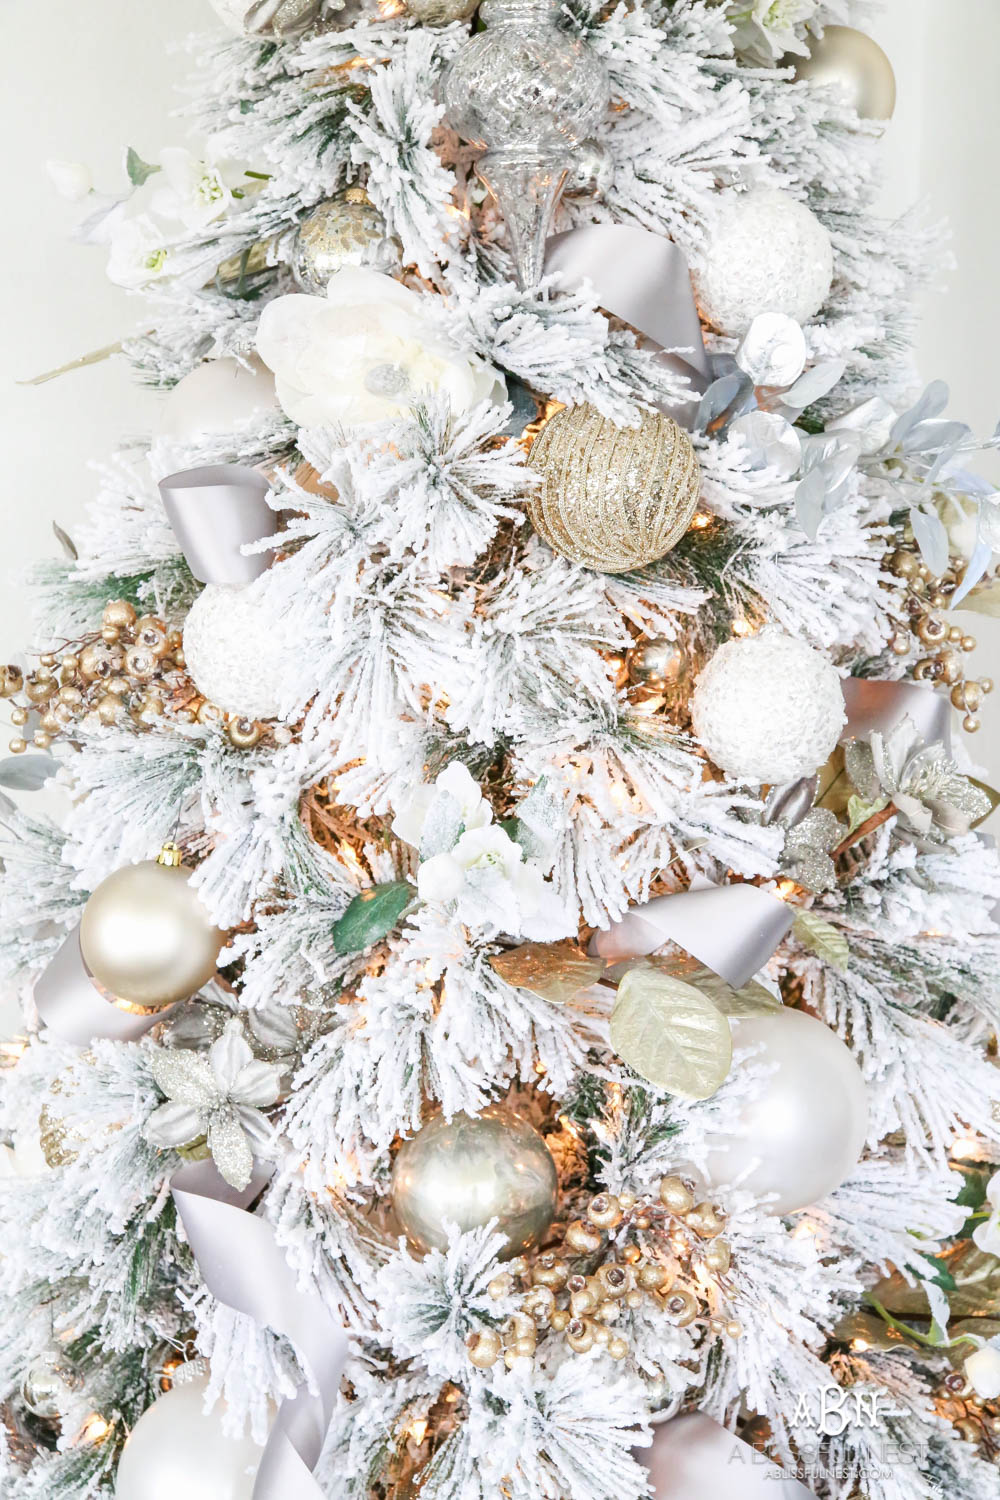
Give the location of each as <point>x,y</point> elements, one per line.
<point>83,81</point>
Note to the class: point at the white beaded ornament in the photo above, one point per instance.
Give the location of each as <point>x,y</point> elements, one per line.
<point>766,253</point>
<point>768,708</point>
<point>237,654</point>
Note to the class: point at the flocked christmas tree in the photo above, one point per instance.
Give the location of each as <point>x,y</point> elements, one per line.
<point>511,1007</point>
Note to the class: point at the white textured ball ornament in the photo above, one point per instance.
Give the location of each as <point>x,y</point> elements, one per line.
<point>768,708</point>
<point>469,1170</point>
<point>177,1452</point>
<point>238,655</point>
<point>766,252</point>
<point>218,397</point>
<point>145,935</point>
<point>803,1133</point>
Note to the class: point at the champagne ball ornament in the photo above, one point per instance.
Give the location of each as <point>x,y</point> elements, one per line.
<point>467,1171</point>
<point>766,252</point>
<point>145,935</point>
<point>217,397</point>
<point>236,653</point>
<point>440,12</point>
<point>658,663</point>
<point>527,92</point>
<point>804,1131</point>
<point>768,708</point>
<point>612,498</point>
<point>854,60</point>
<point>46,1387</point>
<point>276,18</point>
<point>177,1451</point>
<point>346,231</point>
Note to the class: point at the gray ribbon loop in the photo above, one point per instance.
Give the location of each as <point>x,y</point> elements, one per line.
<point>643,279</point>
<point>244,1266</point>
<point>74,1009</point>
<point>733,929</point>
<point>214,512</point>
<point>874,706</point>
<point>694,1458</point>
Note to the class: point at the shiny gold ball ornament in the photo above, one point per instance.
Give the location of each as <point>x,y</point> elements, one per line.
<point>346,231</point>
<point>854,60</point>
<point>612,498</point>
<point>658,663</point>
<point>469,1170</point>
<point>145,935</point>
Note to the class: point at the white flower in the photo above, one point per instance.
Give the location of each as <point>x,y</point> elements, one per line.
<point>453,797</point>
<point>982,1370</point>
<point>219,1097</point>
<point>71,179</point>
<point>139,252</point>
<point>487,879</point>
<point>192,192</point>
<point>366,352</point>
<point>987,1236</point>
<point>767,29</point>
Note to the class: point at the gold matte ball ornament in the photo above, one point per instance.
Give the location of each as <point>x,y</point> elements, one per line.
<point>613,498</point>
<point>145,935</point>
<point>856,61</point>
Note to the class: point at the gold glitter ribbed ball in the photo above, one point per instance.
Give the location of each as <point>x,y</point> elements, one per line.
<point>613,498</point>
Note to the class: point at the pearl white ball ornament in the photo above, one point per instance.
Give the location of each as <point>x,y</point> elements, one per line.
<point>145,935</point>
<point>178,1452</point>
<point>468,1170</point>
<point>768,708</point>
<point>766,252</point>
<point>217,397</point>
<point>237,653</point>
<point>802,1134</point>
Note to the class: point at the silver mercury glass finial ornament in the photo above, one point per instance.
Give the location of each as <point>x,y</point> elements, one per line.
<point>528,93</point>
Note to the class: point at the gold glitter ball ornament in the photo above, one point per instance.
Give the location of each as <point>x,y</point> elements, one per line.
<point>346,231</point>
<point>613,498</point>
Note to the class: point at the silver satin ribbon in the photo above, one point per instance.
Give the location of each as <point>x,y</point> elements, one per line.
<point>693,1458</point>
<point>877,707</point>
<point>75,1010</point>
<point>733,929</point>
<point>244,1267</point>
<point>214,512</point>
<point>643,279</point>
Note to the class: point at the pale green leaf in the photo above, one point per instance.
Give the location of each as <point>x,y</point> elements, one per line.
<point>823,939</point>
<point>859,811</point>
<point>139,171</point>
<point>671,1034</point>
<point>371,915</point>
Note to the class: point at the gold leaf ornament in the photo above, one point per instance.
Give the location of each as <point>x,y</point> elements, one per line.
<point>671,1034</point>
<point>823,939</point>
<point>553,971</point>
<point>612,498</point>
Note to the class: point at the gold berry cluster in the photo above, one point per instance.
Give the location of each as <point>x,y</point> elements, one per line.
<point>945,646</point>
<point>624,1252</point>
<point>133,669</point>
<point>975,1420</point>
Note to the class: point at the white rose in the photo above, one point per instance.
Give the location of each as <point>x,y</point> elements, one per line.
<point>366,352</point>
<point>71,179</point>
<point>982,1370</point>
<point>455,780</point>
<point>491,886</point>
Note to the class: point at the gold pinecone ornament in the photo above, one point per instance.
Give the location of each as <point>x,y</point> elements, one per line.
<point>613,498</point>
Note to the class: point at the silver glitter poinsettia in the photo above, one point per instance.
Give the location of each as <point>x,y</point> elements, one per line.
<point>808,847</point>
<point>934,800</point>
<point>218,1097</point>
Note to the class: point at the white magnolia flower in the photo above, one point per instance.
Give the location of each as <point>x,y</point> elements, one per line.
<point>218,1096</point>
<point>982,1370</point>
<point>366,352</point>
<point>486,878</point>
<point>987,1236</point>
<point>71,179</point>
<point>453,797</point>
<point>139,252</point>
